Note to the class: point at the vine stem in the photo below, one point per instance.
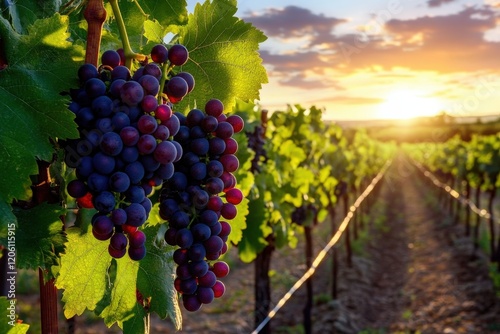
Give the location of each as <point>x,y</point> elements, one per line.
<point>127,49</point>
<point>95,15</point>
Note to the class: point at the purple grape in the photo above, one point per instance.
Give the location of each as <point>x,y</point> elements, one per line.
<point>119,182</point>
<point>147,124</point>
<point>137,239</point>
<point>176,87</point>
<point>184,238</point>
<point>165,152</point>
<point>120,72</point>
<point>146,144</point>
<point>191,302</point>
<point>159,53</point>
<point>131,93</point>
<point>118,241</point>
<point>178,55</point>
<point>208,280</point>
<point>205,295</point>
<point>110,58</point>
<point>150,84</point>
<point>111,144</point>
<point>153,70</point>
<point>103,163</point>
<point>137,253</point>
<point>118,216</point>
<point>95,87</point>
<point>136,214</point>
<point>77,188</point>
<point>129,135</point>
<point>188,286</point>
<point>86,72</point>
<point>189,79</point>
<point>105,202</point>
<point>214,108</point>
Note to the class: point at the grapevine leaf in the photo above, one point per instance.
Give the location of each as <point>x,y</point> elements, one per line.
<point>253,240</point>
<point>153,31</point>
<point>138,323</point>
<point>41,64</point>
<point>6,218</point>
<point>22,15</point>
<point>40,246</point>
<point>83,270</point>
<point>223,55</point>
<point>122,297</point>
<point>155,278</point>
<point>239,223</point>
<point>9,323</point>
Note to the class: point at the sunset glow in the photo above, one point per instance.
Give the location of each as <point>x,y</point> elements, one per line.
<point>364,60</point>
<point>406,104</point>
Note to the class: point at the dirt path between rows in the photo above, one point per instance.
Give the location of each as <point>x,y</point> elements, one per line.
<point>421,275</point>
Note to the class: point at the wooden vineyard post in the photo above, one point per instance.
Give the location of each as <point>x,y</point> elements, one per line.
<point>347,232</point>
<point>48,291</point>
<point>477,227</point>
<point>491,221</point>
<point>309,288</point>
<point>467,208</point>
<point>332,210</point>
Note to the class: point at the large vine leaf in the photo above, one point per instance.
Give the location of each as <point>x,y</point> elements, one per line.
<point>121,298</point>
<point>39,236</point>
<point>10,325</point>
<point>223,55</point>
<point>239,223</point>
<point>23,14</point>
<point>155,278</point>
<point>41,64</point>
<point>254,236</point>
<point>83,271</point>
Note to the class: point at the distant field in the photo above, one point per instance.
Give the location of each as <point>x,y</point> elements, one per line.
<point>436,129</point>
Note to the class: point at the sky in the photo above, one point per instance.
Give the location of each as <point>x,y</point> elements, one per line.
<point>362,60</point>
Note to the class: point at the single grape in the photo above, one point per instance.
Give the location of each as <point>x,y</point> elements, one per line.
<point>189,79</point>
<point>137,253</point>
<point>110,58</point>
<point>214,107</point>
<point>178,55</point>
<point>236,122</point>
<point>176,87</point>
<point>159,53</point>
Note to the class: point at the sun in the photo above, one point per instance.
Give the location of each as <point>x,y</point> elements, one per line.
<point>406,104</point>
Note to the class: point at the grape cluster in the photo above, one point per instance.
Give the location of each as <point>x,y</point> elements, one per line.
<point>256,143</point>
<point>125,147</point>
<point>199,198</point>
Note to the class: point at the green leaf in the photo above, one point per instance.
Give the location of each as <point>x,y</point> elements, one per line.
<point>223,55</point>
<point>122,298</point>
<point>9,324</point>
<point>6,218</point>
<point>25,13</point>
<point>39,236</point>
<point>41,65</point>
<point>83,271</point>
<point>257,230</point>
<point>155,278</point>
<point>239,223</point>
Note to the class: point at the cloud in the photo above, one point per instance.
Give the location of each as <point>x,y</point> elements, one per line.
<point>292,22</point>
<point>437,3</point>
<point>354,100</point>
